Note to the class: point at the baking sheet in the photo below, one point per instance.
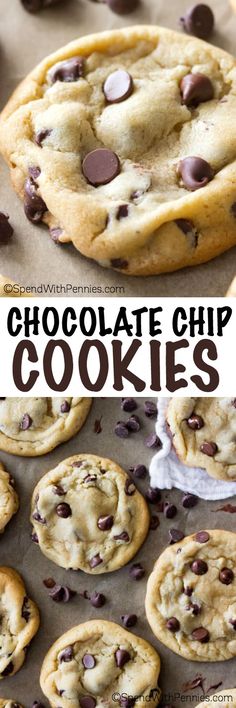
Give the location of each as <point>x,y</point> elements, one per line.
<point>123,594</point>
<point>26,39</point>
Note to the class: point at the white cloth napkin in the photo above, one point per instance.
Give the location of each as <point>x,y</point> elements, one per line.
<point>166,470</point>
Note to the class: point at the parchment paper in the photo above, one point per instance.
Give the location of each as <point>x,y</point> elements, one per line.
<point>32,258</point>
<point>123,594</point>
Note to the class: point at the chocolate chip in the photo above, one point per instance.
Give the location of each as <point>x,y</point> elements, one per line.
<point>202,537</point>
<point>58,490</point>
<point>170,510</point>
<point>233,209</point>
<point>201,635</point>
<point>133,424</point>
<point>25,612</point>
<point>100,166</point>
<point>136,571</point>
<point>65,407</point>
<point>34,6</point>
<point>41,136</point>
<point>195,89</point>
<point>139,471</point>
<point>105,522</point>
<point>119,263</point>
<point>226,576</point>
<point>122,211</point>
<point>154,522</point>
<point>96,560</point>
<point>34,205</point>
<point>118,86</point>
<point>128,405</point>
<point>37,704</point>
<point>97,599</point>
<point>130,488</point>
<point>233,623</point>
<point>122,7</point>
<point>121,429</point>
<point>88,661</point>
<point>199,21</point>
<point>173,624</point>
<point>6,229</point>
<point>195,172</point>
<point>55,234</point>
<point>124,536</point>
<point>195,422</point>
<point>63,510</point>
<point>175,535</point>
<point>150,409</point>
<point>26,422</point>
<point>194,608</point>
<point>152,441</point>
<point>61,593</point>
<point>129,620</point>
<point>34,172</point>
<point>209,448</point>
<point>185,226</point>
<point>199,567</point>
<point>87,702</point>
<point>121,657</point>
<point>188,591</point>
<point>34,538</point>
<point>37,517</point>
<point>67,71</point>
<point>189,501</point>
<point>8,670</point>
<point>77,463</point>
<point>153,495</point>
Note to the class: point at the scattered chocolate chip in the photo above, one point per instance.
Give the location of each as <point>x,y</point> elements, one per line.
<point>199,567</point>
<point>100,166</point>
<point>65,407</point>
<point>195,89</point>
<point>58,490</point>
<point>153,495</point>
<point>41,136</point>
<point>199,21</point>
<point>8,670</point>
<point>195,422</point>
<point>121,657</point>
<point>97,599</point>
<point>6,229</point>
<point>105,522</point>
<point>139,471</point>
<point>118,86</point>
<point>173,624</point>
<point>124,536</point>
<point>49,582</point>
<point>133,424</point>
<point>154,522</point>
<point>61,593</point>
<point>201,635</point>
<point>96,560</point>
<point>202,537</point>
<point>122,211</point>
<point>26,422</point>
<point>195,172</point>
<point>63,510</point>
<point>119,263</point>
<point>226,576</point>
<point>130,488</point>
<point>150,409</point>
<point>121,429</point>
<point>87,702</point>
<point>129,620</point>
<point>128,405</point>
<point>67,71</point>
<point>55,234</point>
<point>189,501</point>
<point>25,613</point>
<point>209,448</point>
<point>175,535</point>
<point>88,661</point>
<point>136,571</point>
<point>122,7</point>
<point>170,510</point>
<point>152,441</point>
<point>97,426</point>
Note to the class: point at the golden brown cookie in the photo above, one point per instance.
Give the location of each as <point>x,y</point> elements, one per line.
<point>9,502</point>
<point>19,622</point>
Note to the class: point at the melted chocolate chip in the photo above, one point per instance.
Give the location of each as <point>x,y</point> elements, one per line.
<point>195,172</point>
<point>105,522</point>
<point>121,657</point>
<point>66,655</point>
<point>195,89</point>
<point>195,422</point>
<point>69,70</point>
<point>58,490</point>
<point>65,407</point>
<point>8,670</point>
<point>173,624</point>
<point>26,422</point>
<point>188,591</point>
<point>209,448</point>
<point>124,536</point>
<point>37,517</point>
<point>122,211</point>
<point>34,205</point>
<point>63,510</point>
<point>96,560</point>
<point>226,576</point>
<point>201,635</point>
<point>100,166</point>
<point>41,136</point>
<point>199,21</point>
<point>88,661</point>
<point>202,537</point>
<point>6,229</point>
<point>34,172</point>
<point>199,567</point>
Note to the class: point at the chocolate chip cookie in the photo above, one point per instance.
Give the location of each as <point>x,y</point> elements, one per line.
<point>225,698</point>
<point>19,622</point>
<point>100,663</point>
<point>204,434</point>
<point>34,426</point>
<point>191,596</point>
<point>9,502</point>
<point>127,149</point>
<point>87,514</point>
<point>232,290</point>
